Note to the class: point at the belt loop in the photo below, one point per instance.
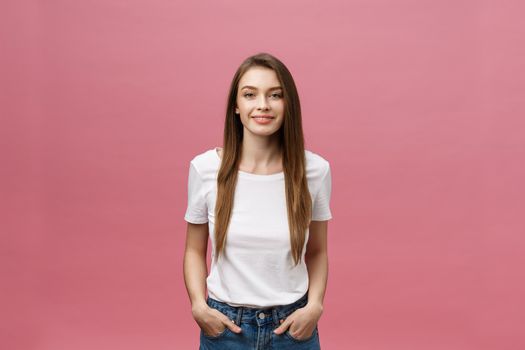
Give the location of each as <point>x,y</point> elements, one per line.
<point>275,317</point>
<point>239,316</point>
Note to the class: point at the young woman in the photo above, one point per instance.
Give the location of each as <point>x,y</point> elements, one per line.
<point>263,200</point>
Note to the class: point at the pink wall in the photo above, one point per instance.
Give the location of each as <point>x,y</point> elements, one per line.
<point>418,105</point>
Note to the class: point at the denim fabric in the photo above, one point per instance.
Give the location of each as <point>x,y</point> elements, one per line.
<point>257,329</point>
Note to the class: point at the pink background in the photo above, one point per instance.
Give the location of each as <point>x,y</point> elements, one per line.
<point>418,105</point>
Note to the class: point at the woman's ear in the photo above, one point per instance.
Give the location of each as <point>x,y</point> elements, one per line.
<point>236,110</point>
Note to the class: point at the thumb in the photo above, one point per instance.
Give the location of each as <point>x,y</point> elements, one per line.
<point>284,325</point>
<point>232,326</point>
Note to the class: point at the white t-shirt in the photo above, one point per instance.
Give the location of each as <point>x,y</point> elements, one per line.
<point>256,269</point>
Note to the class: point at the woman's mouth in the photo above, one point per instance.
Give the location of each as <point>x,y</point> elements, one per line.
<point>263,119</point>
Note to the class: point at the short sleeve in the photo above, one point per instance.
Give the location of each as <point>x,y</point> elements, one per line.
<point>197,210</point>
<point>321,205</point>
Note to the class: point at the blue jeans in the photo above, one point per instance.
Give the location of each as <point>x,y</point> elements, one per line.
<point>257,329</point>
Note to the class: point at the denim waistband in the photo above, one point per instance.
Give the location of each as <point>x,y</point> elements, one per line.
<point>261,316</point>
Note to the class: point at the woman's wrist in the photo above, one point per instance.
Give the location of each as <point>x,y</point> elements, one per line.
<point>315,307</point>
<point>198,307</point>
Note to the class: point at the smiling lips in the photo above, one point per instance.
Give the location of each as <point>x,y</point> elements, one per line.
<point>263,119</point>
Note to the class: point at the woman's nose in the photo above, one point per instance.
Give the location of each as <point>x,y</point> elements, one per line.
<point>262,103</point>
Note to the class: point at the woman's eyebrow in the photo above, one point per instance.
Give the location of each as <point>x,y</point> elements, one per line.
<point>254,88</point>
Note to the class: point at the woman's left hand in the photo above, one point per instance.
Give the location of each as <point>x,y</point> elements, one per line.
<point>302,321</point>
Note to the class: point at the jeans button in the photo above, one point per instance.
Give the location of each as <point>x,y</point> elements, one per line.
<point>262,315</point>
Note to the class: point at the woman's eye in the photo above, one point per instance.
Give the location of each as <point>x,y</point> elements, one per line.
<point>249,94</point>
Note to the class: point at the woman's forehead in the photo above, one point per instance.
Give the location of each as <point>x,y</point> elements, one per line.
<point>259,78</point>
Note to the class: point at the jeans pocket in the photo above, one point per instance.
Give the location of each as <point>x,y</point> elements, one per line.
<point>289,335</point>
<point>223,332</point>
<point>218,336</point>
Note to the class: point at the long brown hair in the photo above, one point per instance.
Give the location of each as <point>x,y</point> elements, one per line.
<point>291,144</point>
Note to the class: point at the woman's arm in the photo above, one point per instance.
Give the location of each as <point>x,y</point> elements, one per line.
<point>316,259</point>
<point>195,269</point>
<point>210,320</point>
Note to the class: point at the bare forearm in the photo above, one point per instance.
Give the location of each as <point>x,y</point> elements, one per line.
<point>195,273</point>
<point>317,265</point>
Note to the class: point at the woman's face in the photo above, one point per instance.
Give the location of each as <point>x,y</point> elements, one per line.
<point>260,94</point>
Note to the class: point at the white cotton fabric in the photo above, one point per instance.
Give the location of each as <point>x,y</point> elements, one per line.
<point>256,269</point>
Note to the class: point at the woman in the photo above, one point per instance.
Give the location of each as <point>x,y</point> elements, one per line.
<point>265,199</point>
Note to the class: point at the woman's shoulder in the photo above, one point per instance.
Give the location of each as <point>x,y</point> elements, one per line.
<point>317,171</point>
<point>317,167</point>
<point>206,160</point>
<point>315,160</point>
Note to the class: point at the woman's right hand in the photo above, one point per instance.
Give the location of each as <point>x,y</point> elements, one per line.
<point>212,321</point>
